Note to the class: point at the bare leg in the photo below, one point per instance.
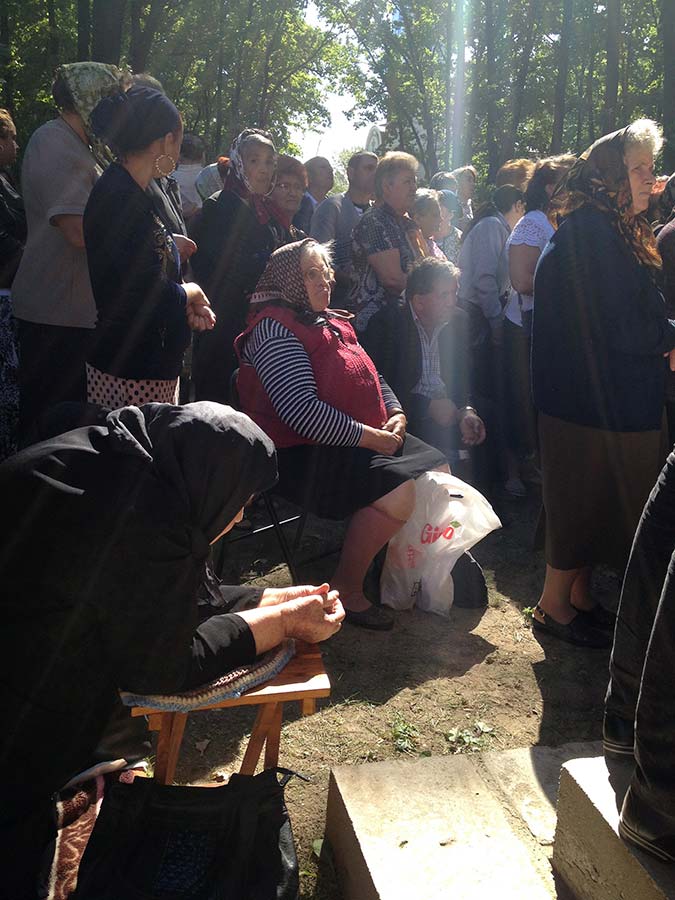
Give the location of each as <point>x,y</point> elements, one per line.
<point>580,596</point>
<point>555,598</point>
<point>369,530</point>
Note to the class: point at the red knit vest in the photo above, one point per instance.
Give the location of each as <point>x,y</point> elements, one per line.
<point>346,377</point>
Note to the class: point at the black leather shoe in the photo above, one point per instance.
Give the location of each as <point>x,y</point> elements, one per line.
<point>578,631</point>
<point>618,736</point>
<point>646,828</point>
<point>375,618</point>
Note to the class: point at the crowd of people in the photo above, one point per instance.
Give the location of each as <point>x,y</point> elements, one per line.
<point>366,337</point>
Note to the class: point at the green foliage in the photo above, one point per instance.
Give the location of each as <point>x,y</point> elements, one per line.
<point>404,735</point>
<point>470,740</point>
<point>452,80</point>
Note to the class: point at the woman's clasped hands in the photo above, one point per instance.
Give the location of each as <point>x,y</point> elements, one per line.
<point>388,439</point>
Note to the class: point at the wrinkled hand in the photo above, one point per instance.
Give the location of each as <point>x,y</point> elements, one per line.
<point>396,424</point>
<point>472,429</point>
<point>186,247</point>
<point>384,442</point>
<point>314,618</point>
<point>443,411</point>
<point>274,596</point>
<point>200,316</point>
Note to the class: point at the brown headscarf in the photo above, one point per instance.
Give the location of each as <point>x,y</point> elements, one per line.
<point>282,283</point>
<point>600,178</point>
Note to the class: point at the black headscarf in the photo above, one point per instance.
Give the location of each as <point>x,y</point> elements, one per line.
<point>600,178</point>
<point>104,535</point>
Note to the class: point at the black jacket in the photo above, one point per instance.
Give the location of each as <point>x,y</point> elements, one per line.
<point>12,230</point>
<point>393,343</point>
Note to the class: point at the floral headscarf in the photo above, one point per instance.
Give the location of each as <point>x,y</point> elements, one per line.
<point>89,83</point>
<point>600,178</point>
<point>236,180</point>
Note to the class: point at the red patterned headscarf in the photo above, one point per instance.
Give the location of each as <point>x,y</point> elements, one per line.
<point>600,177</point>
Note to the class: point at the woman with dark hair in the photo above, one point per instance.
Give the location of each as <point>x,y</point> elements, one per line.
<point>236,233</point>
<point>309,384</point>
<point>12,240</point>
<point>125,513</point>
<point>144,312</point>
<point>599,336</point>
<point>51,293</point>
<point>524,247</point>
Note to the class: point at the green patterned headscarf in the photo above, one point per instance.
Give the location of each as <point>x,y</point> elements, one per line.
<point>88,83</point>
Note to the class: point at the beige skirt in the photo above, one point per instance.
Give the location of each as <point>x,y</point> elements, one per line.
<point>595,485</point>
<point>113,392</point>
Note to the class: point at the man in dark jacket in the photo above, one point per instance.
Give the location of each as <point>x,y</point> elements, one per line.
<point>420,347</point>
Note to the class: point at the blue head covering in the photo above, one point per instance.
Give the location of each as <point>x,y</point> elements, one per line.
<point>132,120</point>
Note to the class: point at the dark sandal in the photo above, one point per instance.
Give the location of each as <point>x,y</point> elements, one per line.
<point>375,618</point>
<point>579,631</point>
<point>599,617</point>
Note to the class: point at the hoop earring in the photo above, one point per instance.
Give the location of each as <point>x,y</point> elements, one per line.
<point>162,171</point>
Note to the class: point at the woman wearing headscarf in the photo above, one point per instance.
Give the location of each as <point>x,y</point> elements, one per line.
<point>236,233</point>
<point>144,311</point>
<point>125,514</point>
<point>338,427</point>
<point>600,334</point>
<point>52,295</point>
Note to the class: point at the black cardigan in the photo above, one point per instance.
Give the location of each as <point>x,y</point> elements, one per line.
<point>600,330</point>
<point>142,328</point>
<point>393,343</point>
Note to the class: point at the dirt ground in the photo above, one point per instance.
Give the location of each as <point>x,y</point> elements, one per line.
<point>431,686</point>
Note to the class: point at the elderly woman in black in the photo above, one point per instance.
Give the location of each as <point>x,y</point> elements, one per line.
<point>144,312</point>
<point>599,339</point>
<point>236,233</point>
<point>125,514</point>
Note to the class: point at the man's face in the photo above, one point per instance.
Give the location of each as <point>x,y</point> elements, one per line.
<point>320,173</point>
<point>361,175</point>
<point>434,309</point>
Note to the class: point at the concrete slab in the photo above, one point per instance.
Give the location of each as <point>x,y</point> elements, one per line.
<point>588,852</point>
<point>528,781</point>
<point>430,828</point>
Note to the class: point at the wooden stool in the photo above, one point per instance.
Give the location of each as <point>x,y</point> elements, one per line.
<point>303,678</point>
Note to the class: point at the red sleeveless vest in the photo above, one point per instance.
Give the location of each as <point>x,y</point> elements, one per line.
<point>346,377</point>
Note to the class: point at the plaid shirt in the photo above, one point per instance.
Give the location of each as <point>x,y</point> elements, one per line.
<point>430,384</point>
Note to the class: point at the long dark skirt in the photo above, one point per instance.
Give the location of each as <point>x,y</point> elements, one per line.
<point>333,482</point>
<point>520,416</point>
<point>595,485</point>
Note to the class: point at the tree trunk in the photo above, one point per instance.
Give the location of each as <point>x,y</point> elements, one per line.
<point>561,80</point>
<point>608,122</point>
<point>518,96</point>
<point>220,77</point>
<point>448,85</point>
<point>6,59</point>
<point>460,87</point>
<point>52,36</point>
<point>83,29</point>
<point>107,20</point>
<point>491,126</point>
<point>143,32</point>
<point>668,37</point>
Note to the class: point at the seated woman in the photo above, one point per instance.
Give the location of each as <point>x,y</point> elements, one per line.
<point>144,313</point>
<point>307,382</point>
<point>124,514</point>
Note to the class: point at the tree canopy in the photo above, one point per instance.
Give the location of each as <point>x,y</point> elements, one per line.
<point>453,80</point>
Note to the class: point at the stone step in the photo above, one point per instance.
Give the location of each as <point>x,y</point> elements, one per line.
<point>589,854</point>
<point>476,827</point>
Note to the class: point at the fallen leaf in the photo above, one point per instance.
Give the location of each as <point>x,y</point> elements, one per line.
<point>202,745</point>
<point>317,846</point>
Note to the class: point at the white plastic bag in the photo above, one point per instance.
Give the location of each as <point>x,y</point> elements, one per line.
<point>449,517</point>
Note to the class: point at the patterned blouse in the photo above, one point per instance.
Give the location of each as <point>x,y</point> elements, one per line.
<point>380,229</point>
